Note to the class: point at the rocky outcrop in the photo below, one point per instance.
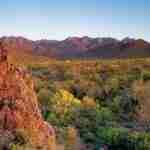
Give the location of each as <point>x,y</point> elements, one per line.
<point>19,112</point>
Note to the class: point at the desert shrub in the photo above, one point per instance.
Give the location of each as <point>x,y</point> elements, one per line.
<point>72,139</point>
<point>79,89</point>
<point>112,84</point>
<point>123,139</point>
<point>21,147</point>
<point>88,102</point>
<point>146,75</point>
<point>124,104</point>
<point>64,101</point>
<point>39,84</point>
<point>63,107</point>
<point>88,120</point>
<point>44,96</point>
<point>21,141</point>
<point>141,92</point>
<point>39,71</point>
<point>114,138</point>
<point>141,141</point>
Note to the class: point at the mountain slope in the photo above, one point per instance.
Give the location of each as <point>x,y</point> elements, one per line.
<point>79,47</point>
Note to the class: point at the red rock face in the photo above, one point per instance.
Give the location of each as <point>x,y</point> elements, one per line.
<point>19,108</point>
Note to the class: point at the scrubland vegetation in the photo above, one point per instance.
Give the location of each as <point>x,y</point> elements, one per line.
<point>96,103</point>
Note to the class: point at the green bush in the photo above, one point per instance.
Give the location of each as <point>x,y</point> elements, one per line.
<point>124,139</point>
<point>88,121</point>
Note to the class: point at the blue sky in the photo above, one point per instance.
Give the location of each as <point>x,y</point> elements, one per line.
<point>58,19</point>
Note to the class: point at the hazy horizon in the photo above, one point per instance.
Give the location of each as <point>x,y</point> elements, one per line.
<point>53,39</point>
<point>57,20</point>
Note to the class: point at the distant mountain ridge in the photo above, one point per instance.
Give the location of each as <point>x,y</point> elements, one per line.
<point>79,47</point>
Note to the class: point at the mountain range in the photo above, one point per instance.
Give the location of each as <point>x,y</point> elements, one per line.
<point>79,47</point>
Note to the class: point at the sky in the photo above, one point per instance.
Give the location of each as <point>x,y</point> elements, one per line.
<point>59,19</point>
